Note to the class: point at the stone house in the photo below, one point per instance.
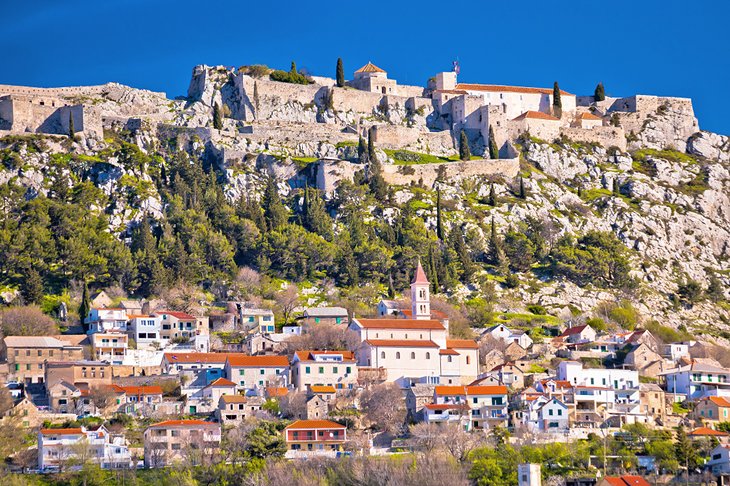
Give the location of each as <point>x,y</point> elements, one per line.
<point>712,409</point>
<point>324,315</point>
<point>588,121</point>
<point>234,409</point>
<point>317,407</point>
<point>101,299</point>
<point>417,396</point>
<point>171,441</point>
<point>375,80</point>
<point>26,356</point>
<point>653,402</point>
<point>514,352</point>
<point>259,343</point>
<point>509,374</point>
<point>645,360</point>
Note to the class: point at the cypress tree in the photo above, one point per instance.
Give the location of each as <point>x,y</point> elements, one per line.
<point>599,94</point>
<point>85,305</point>
<point>362,150</point>
<point>522,194</point>
<point>256,98</point>
<point>464,153</point>
<point>316,219</point>
<point>275,213</point>
<point>557,103</point>
<point>493,150</point>
<point>371,146</point>
<point>32,286</point>
<point>496,252</point>
<point>340,73</point>
<point>377,183</point>
<point>439,222</point>
<point>293,69</point>
<point>71,128</point>
<point>492,201</point>
<point>433,273</point>
<point>217,116</point>
<point>616,189</point>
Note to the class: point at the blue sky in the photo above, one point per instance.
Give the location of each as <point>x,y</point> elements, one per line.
<point>669,47</point>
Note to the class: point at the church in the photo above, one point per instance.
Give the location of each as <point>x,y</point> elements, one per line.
<point>414,346</point>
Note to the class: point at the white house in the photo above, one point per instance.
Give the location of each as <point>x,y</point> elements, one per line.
<point>335,368</point>
<point>675,351</point>
<point>719,462</point>
<point>106,319</point>
<point>256,372</point>
<point>504,333</point>
<point>484,406</point>
<point>574,373</point>
<point>697,380</point>
<point>58,447</point>
<point>546,414</point>
<point>145,330</point>
<point>579,334</point>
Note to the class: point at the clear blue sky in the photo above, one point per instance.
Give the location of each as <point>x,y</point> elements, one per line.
<point>663,47</point>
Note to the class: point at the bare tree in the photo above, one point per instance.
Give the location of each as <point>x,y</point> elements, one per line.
<point>384,405</point>
<point>460,442</point>
<point>287,300</point>
<point>102,397</point>
<point>427,436</point>
<point>27,320</point>
<point>294,405</point>
<point>324,336</point>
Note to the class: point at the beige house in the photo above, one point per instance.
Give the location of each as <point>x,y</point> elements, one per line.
<point>234,409</point>
<point>251,372</point>
<point>110,346</point>
<point>712,409</point>
<point>26,356</point>
<point>335,368</point>
<point>588,121</point>
<point>653,402</point>
<point>193,441</point>
<point>645,360</point>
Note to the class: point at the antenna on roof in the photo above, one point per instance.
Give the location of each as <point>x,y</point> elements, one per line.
<point>457,67</point>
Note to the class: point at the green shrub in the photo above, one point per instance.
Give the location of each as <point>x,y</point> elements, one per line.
<point>537,309</point>
<point>625,315</point>
<point>597,323</point>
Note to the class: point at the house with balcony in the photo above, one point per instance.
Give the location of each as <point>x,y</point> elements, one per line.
<point>172,441</point>
<point>335,368</point>
<point>58,448</point>
<point>26,355</point>
<point>487,405</point>
<point>207,400</point>
<point>719,463</point>
<point>110,346</point>
<point>145,330</point>
<point>314,437</point>
<point>106,319</point>
<point>142,400</point>
<point>234,409</point>
<point>257,372</point>
<point>697,380</point>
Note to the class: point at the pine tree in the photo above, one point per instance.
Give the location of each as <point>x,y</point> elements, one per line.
<point>362,151</point>
<point>496,254</point>
<point>256,98</point>
<point>340,73</point>
<point>493,150</point>
<point>458,244</point>
<point>492,201</point>
<point>85,306</point>
<point>557,103</point>
<point>71,128</point>
<point>32,287</point>
<point>464,152</point>
<point>371,146</point>
<point>217,116</point>
<point>522,194</point>
<point>439,222</point>
<point>316,219</point>
<point>684,450</point>
<point>599,94</point>
<point>377,183</point>
<point>275,213</point>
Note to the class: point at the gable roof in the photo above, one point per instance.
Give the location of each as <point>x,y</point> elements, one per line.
<point>68,431</point>
<point>572,331</point>
<point>198,357</point>
<point>183,423</point>
<point>370,68</point>
<point>706,431</point>
<point>507,89</point>
<point>222,382</point>
<point>276,391</point>
<point>138,390</point>
<point>34,342</point>
<point>461,344</point>
<point>536,115</point>
<point>626,481</point>
<point>315,424</point>
<point>322,389</point>
<point>234,399</point>
<point>310,355</point>
<point>258,361</point>
<point>719,401</point>
<point>400,343</point>
<point>589,116</point>
<point>179,315</point>
<point>415,324</point>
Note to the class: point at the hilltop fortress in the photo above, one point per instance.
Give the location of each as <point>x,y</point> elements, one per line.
<point>267,118</point>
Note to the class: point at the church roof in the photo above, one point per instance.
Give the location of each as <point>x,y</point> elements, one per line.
<point>420,276</point>
<point>538,115</point>
<point>370,68</point>
<point>506,89</point>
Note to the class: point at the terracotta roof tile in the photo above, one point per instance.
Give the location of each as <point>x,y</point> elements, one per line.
<point>471,390</point>
<point>370,68</point>
<point>258,361</point>
<point>182,423</point>
<point>425,324</point>
<point>138,390</point>
<point>223,382</point>
<point>309,355</point>
<point>536,115</point>
<point>70,431</point>
<point>315,424</point>
<point>462,344</point>
<point>322,389</point>
<point>179,315</point>
<point>234,399</point>
<point>276,391</point>
<point>704,431</point>
<point>589,116</point>
<point>401,343</point>
<point>448,352</point>
<point>719,401</point>
<point>199,357</point>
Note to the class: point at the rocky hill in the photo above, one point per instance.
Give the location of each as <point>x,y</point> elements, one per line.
<point>165,196</point>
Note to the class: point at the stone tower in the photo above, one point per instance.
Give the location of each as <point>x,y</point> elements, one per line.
<point>420,300</point>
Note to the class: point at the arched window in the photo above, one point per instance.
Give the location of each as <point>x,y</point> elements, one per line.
<point>428,355</point>
<point>397,355</point>
<point>382,354</point>
<point>413,355</point>
<point>448,358</point>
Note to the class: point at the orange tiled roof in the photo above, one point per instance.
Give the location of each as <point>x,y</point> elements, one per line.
<point>322,389</point>
<point>258,361</point>
<point>461,344</point>
<point>702,431</point>
<point>536,115</point>
<point>234,399</point>
<point>445,406</point>
<point>222,382</point>
<point>138,390</point>
<point>315,424</point>
<point>507,89</point>
<point>626,481</point>
<point>276,391</point>
<point>424,324</point>
<point>589,116</point>
<point>179,315</point>
<point>719,401</point>
<point>182,423</point>
<point>401,343</point>
<point>471,390</point>
<point>70,431</point>
<point>446,352</point>
<point>370,68</point>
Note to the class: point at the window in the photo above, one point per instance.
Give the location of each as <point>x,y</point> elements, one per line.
<point>348,370</point>
<point>397,355</point>
<point>550,412</point>
<point>382,355</point>
<point>449,359</point>
<point>175,447</point>
<point>307,370</point>
<point>321,370</point>
<point>413,355</point>
<point>468,360</point>
<point>334,369</point>
<point>262,371</point>
<point>428,355</point>
<point>241,372</point>
<point>27,352</point>
<point>40,352</point>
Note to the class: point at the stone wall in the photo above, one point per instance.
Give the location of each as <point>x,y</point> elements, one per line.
<point>330,172</point>
<point>606,136</point>
<point>64,91</point>
<point>399,137</point>
<point>428,173</point>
